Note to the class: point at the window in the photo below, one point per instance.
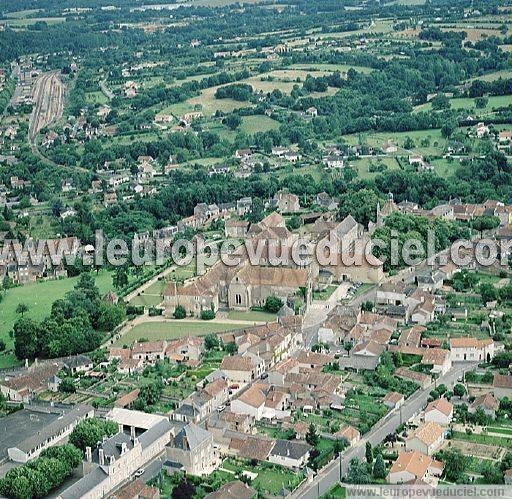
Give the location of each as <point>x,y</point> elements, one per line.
<point>238,299</point>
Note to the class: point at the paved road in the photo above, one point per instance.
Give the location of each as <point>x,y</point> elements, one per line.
<point>338,468</point>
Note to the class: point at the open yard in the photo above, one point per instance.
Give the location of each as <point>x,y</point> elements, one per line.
<point>173,329</point>
<point>39,298</point>
<point>271,478</point>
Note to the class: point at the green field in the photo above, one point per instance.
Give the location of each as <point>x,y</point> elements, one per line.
<point>252,315</point>
<point>258,123</point>
<point>494,102</point>
<point>173,329</point>
<point>96,97</point>
<point>39,298</point>
<point>435,146</point>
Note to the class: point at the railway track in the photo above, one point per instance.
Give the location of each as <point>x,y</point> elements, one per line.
<point>49,103</point>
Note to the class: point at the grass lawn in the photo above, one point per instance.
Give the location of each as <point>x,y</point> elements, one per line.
<point>271,478</point>
<point>96,98</point>
<point>436,147</point>
<point>330,68</point>
<point>483,439</point>
<point>337,492</point>
<point>325,293</point>
<point>252,315</point>
<point>503,431</point>
<point>39,298</point>
<point>468,103</point>
<point>258,123</point>
<point>362,166</point>
<point>174,329</point>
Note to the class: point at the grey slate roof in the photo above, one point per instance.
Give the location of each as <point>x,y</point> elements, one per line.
<point>155,432</point>
<point>290,449</point>
<point>53,428</point>
<point>192,435</point>
<point>84,485</point>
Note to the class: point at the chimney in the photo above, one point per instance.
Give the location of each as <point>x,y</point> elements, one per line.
<point>124,448</point>
<point>120,427</point>
<point>132,432</point>
<point>101,456</point>
<point>88,454</point>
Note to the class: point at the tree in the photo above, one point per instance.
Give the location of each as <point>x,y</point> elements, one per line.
<point>273,304</point>
<point>369,453</point>
<point>211,341</point>
<point>21,309</point>
<point>357,473</point>
<point>184,490</point>
<point>293,223</point>
<point>379,468</point>
<point>179,312</point>
<point>26,334</point>
<point>67,386</point>
<point>230,348</point>
<point>492,473</point>
<point>90,431</point>
<point>455,464</point>
<point>120,277</point>
<point>488,292</point>
<point>66,453</point>
<point>459,390</point>
<point>312,437</point>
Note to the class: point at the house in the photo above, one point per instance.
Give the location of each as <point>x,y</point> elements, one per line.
<point>290,453</point>
<point>349,433</point>
<point>439,359</point>
<point>507,475</point>
<point>393,400</point>
<point>240,369</point>
<point>502,386</point>
<point>422,379</point>
<point>29,383</point>
<point>325,201</point>
<point>313,360</point>
<point>471,349</point>
<point>439,411</point>
<point>137,489</point>
<point>243,153</point>
<point>389,147</point>
<point>116,459</point>
<point>243,206</point>
<point>312,111</point>
<point>411,337</point>
<point>333,162</point>
<point>487,403</point>
<point>52,433</point>
<point>426,439</point>
<point>192,447</point>
<point>149,351</point>
<point>368,348</point>
<point>286,202</point>
<point>481,130</point>
<point>412,466</point>
<point>262,401</point>
<point>77,363</point>
<point>233,490</point>
<point>236,229</point>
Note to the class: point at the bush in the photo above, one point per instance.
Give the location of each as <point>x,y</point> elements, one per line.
<point>207,315</point>
<point>273,304</point>
<point>179,312</point>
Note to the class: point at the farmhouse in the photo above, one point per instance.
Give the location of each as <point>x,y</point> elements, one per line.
<point>426,439</point>
<point>471,349</point>
<point>439,411</point>
<point>412,466</point>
